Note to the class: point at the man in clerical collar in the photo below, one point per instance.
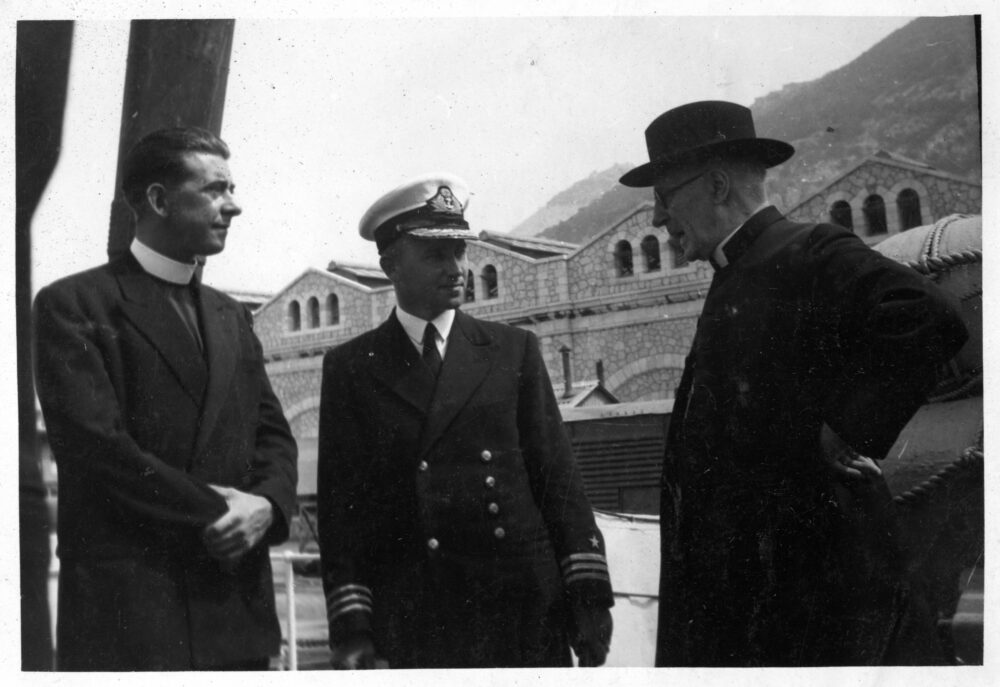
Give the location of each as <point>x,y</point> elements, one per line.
<point>810,355</point>
<point>177,468</point>
<point>453,527</point>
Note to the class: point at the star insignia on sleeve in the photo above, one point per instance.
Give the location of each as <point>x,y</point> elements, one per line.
<point>594,542</point>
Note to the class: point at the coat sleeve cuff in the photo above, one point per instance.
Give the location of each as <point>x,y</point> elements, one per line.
<point>586,579</point>
<point>348,611</point>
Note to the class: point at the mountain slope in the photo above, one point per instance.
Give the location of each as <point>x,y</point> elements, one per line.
<point>566,203</point>
<point>914,93</point>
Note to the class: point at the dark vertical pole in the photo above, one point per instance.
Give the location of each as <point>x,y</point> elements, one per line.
<point>567,371</point>
<point>176,76</point>
<point>977,26</point>
<point>41,75</point>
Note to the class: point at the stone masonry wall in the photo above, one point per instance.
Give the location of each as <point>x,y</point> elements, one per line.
<point>939,195</point>
<point>593,273</point>
<point>639,326</point>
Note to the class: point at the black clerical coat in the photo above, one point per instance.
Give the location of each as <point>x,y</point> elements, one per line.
<point>766,560</point>
<point>141,422</point>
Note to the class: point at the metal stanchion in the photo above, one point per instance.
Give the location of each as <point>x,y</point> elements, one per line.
<point>293,635</point>
<point>288,559</point>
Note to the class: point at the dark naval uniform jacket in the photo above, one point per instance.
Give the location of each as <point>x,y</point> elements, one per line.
<point>453,525</point>
<point>767,559</point>
<point>141,422</point>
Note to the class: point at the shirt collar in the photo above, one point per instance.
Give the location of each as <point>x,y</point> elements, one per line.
<point>414,326</point>
<point>160,266</point>
<point>719,259</point>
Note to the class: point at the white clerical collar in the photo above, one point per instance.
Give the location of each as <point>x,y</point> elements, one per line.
<point>414,328</point>
<point>160,266</point>
<point>718,255</point>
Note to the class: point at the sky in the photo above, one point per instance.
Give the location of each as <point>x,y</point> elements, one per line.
<point>325,114</point>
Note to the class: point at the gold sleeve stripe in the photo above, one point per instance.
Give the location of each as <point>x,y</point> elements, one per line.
<point>585,566</point>
<point>366,608</point>
<point>577,576</point>
<point>348,597</point>
<point>360,588</point>
<point>575,560</point>
<point>583,557</point>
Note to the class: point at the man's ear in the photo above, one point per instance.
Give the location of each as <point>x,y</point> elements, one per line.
<point>721,185</point>
<point>156,198</point>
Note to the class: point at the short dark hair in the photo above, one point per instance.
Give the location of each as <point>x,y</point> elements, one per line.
<point>158,157</point>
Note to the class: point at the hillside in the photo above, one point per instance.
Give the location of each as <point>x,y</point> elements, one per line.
<point>566,203</point>
<point>914,93</point>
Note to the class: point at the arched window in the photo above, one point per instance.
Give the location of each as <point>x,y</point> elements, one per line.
<point>312,307</point>
<point>491,285</point>
<point>294,319</point>
<point>908,204</point>
<point>623,258</point>
<point>874,211</point>
<point>840,213</point>
<point>470,287</point>
<point>332,310</point>
<point>651,253</point>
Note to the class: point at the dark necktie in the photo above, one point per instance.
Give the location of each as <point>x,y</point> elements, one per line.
<point>182,299</point>
<point>431,355</point>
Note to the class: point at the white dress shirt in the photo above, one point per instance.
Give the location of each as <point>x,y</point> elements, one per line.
<point>414,328</point>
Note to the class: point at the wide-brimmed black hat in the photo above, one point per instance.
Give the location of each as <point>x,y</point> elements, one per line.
<point>700,131</point>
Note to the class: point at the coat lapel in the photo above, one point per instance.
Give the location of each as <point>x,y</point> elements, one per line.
<point>395,362</point>
<point>153,315</point>
<point>747,236</point>
<point>467,363</point>
<point>220,327</point>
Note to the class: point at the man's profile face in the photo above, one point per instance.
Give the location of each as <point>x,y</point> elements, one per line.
<point>428,274</point>
<point>200,208</point>
<point>683,207</point>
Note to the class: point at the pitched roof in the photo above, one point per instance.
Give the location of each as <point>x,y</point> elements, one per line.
<point>530,246</point>
<point>369,275</point>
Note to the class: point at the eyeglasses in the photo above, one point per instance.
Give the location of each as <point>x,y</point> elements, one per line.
<point>663,197</point>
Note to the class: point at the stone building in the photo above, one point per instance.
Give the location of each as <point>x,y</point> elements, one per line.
<point>616,313</point>
<point>886,194</point>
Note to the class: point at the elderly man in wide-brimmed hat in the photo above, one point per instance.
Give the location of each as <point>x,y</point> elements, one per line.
<point>811,354</point>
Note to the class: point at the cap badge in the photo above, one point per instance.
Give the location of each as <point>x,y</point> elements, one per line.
<point>445,201</point>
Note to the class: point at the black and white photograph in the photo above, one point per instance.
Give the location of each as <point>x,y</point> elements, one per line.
<point>437,338</point>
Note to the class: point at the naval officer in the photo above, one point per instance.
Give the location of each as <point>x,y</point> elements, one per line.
<point>454,529</point>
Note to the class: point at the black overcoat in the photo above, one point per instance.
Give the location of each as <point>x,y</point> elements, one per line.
<point>452,519</point>
<point>765,559</point>
<point>140,423</point>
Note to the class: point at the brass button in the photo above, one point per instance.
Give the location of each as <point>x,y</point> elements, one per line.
<point>422,466</point>
<point>433,544</point>
<point>486,456</point>
<point>491,481</point>
<point>499,533</point>
<point>493,508</point>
